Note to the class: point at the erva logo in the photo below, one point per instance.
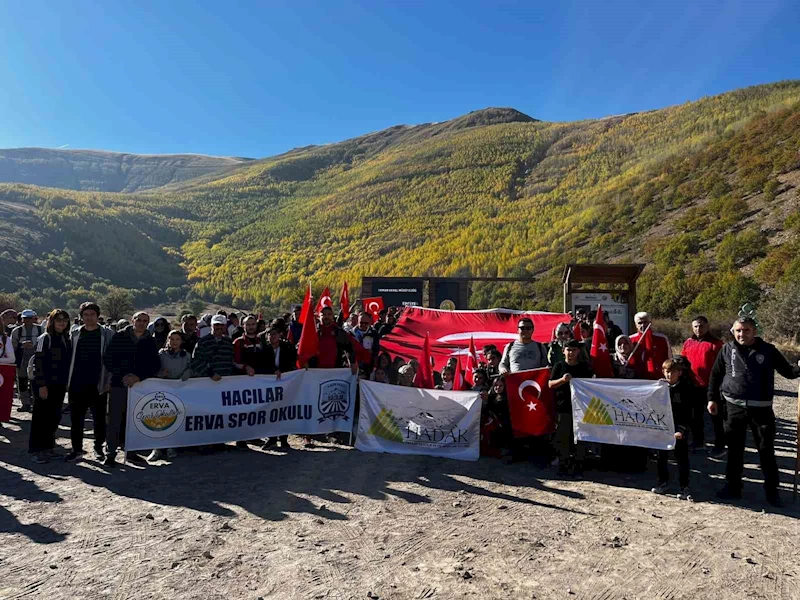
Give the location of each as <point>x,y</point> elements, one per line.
<point>159,414</point>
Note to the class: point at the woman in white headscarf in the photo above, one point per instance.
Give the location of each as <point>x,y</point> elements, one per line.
<point>619,361</point>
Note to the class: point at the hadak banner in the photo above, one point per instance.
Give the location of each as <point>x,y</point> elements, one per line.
<point>407,420</point>
<point>628,412</point>
<point>165,413</point>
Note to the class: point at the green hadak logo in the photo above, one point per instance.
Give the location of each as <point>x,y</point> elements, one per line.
<point>597,413</point>
<point>385,427</point>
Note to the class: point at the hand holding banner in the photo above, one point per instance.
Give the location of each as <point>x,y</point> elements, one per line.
<point>629,412</point>
<point>167,413</point>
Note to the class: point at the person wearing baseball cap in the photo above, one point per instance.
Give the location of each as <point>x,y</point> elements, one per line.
<point>213,355</point>
<point>23,338</point>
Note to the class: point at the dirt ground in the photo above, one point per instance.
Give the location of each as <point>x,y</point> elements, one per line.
<point>332,522</point>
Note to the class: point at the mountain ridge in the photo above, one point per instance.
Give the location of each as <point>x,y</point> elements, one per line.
<point>682,188</point>
<point>100,170</point>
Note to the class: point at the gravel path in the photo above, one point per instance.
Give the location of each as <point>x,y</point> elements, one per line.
<point>332,522</point>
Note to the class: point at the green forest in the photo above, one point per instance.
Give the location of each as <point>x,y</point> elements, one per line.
<point>704,193</point>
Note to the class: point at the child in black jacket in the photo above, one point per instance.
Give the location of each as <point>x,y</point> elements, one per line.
<point>682,398</point>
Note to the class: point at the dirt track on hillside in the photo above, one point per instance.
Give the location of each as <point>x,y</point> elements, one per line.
<point>337,523</point>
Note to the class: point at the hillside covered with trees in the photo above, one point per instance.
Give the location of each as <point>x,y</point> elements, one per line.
<point>704,192</point>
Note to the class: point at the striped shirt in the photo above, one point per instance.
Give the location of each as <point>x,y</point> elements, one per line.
<point>213,356</point>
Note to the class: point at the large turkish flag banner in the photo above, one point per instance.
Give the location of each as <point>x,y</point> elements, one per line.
<point>450,330</point>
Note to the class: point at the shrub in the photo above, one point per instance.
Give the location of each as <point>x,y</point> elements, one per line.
<point>724,296</point>
<point>780,313</point>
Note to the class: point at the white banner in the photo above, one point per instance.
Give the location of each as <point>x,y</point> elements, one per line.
<point>165,413</point>
<point>406,420</point>
<point>630,412</point>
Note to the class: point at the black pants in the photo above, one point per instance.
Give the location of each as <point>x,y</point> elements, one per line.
<point>682,458</point>
<point>23,389</point>
<point>761,421</point>
<point>698,417</point>
<point>718,421</point>
<point>80,400</point>
<point>45,419</point>
<point>564,442</point>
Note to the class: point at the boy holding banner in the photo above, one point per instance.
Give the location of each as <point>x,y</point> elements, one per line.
<point>681,396</point>
<point>560,377</point>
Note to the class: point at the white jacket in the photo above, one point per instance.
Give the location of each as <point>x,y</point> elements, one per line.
<point>7,356</point>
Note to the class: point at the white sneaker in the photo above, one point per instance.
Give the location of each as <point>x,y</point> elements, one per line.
<point>154,456</point>
<point>661,488</point>
<point>685,494</point>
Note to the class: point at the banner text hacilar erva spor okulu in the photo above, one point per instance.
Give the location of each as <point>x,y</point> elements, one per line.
<point>165,413</point>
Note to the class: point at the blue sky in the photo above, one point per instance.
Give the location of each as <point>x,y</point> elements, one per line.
<point>258,78</point>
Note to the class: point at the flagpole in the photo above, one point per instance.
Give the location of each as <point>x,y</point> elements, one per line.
<point>636,347</point>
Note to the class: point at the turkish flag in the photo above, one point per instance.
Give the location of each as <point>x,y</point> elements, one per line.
<point>306,304</point>
<point>308,347</point>
<point>373,306</point>
<point>452,330</point>
<point>576,331</point>
<point>424,377</point>
<point>344,301</point>
<point>324,301</point>
<point>649,354</point>
<point>601,357</point>
<point>459,381</point>
<point>530,403</point>
<point>8,374</point>
<point>362,354</point>
<point>472,362</point>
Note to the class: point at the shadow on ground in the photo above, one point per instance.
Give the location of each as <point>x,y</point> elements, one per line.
<point>272,484</point>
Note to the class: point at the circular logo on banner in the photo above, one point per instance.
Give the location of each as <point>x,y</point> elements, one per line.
<point>159,414</point>
<point>447,305</point>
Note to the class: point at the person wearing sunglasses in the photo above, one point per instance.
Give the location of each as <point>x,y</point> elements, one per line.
<point>523,353</point>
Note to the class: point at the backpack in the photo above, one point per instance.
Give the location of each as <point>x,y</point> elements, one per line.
<point>31,368</point>
<point>19,352</point>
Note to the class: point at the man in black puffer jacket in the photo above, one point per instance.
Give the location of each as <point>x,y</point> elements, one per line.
<point>743,376</point>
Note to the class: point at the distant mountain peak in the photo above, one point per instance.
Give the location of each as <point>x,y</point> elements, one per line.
<point>489,116</point>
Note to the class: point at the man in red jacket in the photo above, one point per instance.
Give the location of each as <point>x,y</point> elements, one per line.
<point>662,348</point>
<point>701,350</point>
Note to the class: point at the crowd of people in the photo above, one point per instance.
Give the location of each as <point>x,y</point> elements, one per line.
<point>92,363</point>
